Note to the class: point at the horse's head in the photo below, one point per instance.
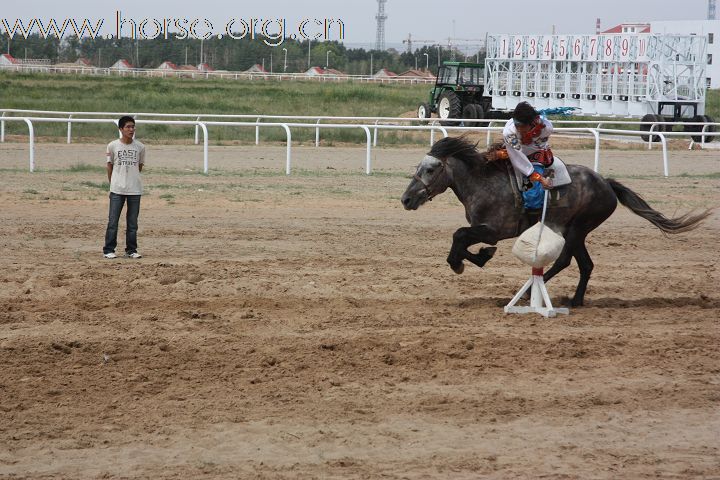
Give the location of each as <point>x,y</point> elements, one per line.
<point>430,179</point>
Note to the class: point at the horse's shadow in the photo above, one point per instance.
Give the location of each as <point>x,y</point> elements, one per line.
<point>605,302</point>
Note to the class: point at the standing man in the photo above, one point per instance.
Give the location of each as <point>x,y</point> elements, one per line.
<point>125,161</point>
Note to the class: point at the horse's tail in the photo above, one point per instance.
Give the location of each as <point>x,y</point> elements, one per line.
<point>634,202</point>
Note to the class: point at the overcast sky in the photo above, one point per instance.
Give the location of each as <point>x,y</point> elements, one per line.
<point>426,20</point>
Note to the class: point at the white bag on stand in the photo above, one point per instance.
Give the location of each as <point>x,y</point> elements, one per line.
<point>538,246</point>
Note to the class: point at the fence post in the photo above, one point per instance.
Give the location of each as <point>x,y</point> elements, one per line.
<point>317,133</point>
<point>650,137</point>
<point>257,129</point>
<point>205,147</point>
<point>596,133</point>
<point>666,170</point>
<point>2,128</point>
<point>69,129</point>
<point>288,155</point>
<point>31,130</point>
<point>368,167</point>
<point>197,131</point>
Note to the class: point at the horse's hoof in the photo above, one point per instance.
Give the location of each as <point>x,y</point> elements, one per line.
<point>460,268</point>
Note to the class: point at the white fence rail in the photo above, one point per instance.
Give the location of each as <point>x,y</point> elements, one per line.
<point>261,120</point>
<point>197,74</point>
<point>596,132</point>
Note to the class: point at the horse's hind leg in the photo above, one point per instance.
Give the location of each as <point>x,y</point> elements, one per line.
<point>585,264</point>
<point>574,247</point>
<point>466,236</point>
<point>563,261</point>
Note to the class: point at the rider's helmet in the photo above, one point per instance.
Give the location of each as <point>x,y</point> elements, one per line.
<point>524,114</point>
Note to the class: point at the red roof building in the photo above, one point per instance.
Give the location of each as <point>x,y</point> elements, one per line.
<point>7,59</point>
<point>167,65</point>
<point>630,28</point>
<point>122,64</point>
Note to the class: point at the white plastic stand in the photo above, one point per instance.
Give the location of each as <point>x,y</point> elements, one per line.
<point>539,298</point>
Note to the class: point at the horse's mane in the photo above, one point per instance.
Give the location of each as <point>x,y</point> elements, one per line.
<point>464,150</point>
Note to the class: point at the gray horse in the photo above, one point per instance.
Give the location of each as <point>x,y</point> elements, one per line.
<point>491,206</point>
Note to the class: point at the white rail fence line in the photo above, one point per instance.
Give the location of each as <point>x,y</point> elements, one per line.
<point>431,121</point>
<point>596,132</point>
<point>150,72</point>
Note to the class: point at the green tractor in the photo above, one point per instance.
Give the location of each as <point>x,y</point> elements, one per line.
<point>458,93</point>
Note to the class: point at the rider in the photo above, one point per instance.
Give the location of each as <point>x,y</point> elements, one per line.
<point>525,138</point>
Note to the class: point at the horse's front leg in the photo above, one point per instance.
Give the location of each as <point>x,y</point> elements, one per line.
<point>464,238</point>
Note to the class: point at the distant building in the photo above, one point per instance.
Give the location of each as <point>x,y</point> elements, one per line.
<point>122,64</point>
<point>7,60</point>
<point>416,73</point>
<point>315,71</point>
<point>167,65</point>
<point>204,67</point>
<point>385,73</point>
<point>630,28</point>
<point>333,72</point>
<point>81,65</point>
<point>256,69</point>
<point>325,72</point>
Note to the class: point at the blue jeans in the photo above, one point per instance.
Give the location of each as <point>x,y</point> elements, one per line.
<point>133,210</point>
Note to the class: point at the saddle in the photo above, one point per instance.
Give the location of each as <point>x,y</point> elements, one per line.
<point>555,169</point>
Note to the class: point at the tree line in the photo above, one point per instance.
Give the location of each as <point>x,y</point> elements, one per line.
<point>228,54</point>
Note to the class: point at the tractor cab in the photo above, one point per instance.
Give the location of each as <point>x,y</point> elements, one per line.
<point>457,93</point>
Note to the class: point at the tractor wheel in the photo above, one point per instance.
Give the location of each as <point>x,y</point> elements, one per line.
<point>698,128</point>
<point>472,111</point>
<point>449,106</point>
<point>479,112</point>
<point>424,111</point>
<point>650,119</point>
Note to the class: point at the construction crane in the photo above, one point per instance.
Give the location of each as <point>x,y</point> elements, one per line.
<point>409,41</point>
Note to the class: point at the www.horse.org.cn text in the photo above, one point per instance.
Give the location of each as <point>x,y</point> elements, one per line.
<point>272,32</point>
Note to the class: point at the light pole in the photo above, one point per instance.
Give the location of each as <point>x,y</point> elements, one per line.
<point>371,64</point>
<point>309,43</point>
<point>438,47</point>
<point>271,63</point>
<point>427,61</point>
<point>327,59</point>
<point>415,63</point>
<point>285,61</point>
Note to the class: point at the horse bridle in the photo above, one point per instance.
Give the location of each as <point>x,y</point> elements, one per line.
<point>426,186</point>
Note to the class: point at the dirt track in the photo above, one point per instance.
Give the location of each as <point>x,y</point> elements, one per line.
<point>308,326</point>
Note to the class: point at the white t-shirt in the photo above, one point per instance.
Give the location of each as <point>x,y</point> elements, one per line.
<point>518,152</point>
<point>126,160</point>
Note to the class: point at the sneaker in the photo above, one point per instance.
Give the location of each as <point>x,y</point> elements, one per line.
<point>133,255</point>
<point>110,255</point>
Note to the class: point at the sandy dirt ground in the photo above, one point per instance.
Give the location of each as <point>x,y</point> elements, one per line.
<point>309,327</point>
